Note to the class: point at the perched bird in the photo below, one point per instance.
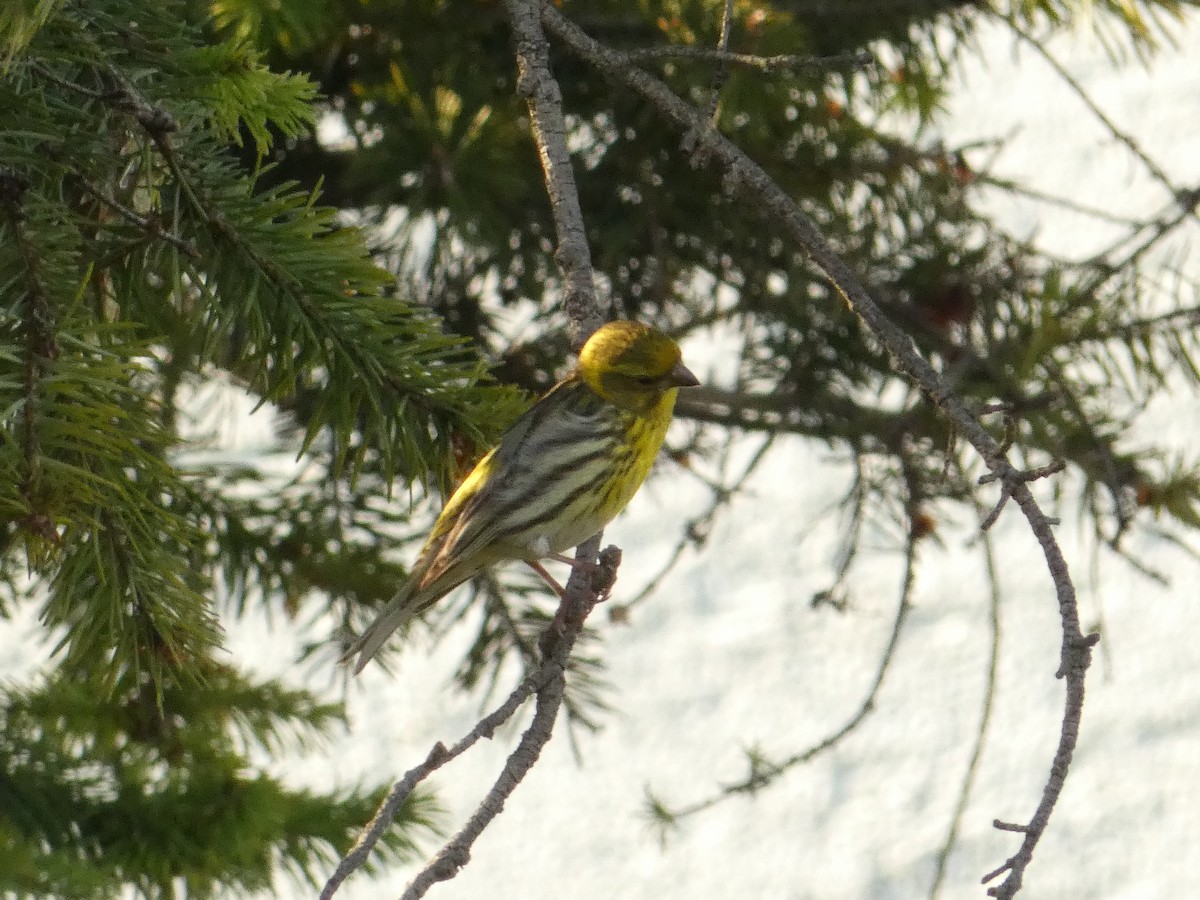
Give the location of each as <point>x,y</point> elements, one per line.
<point>560,473</point>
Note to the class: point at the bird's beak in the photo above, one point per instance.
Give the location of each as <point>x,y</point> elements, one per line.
<point>681,376</point>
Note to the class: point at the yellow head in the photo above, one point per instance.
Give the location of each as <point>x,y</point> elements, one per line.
<point>632,365</point>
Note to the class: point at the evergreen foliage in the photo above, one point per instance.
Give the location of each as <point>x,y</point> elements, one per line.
<point>138,260</point>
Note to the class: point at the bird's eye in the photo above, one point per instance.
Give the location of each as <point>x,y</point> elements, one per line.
<point>647,380</point>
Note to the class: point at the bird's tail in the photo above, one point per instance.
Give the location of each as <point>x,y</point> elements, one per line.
<point>398,612</point>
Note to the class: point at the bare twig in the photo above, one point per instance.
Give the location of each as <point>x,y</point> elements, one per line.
<point>536,83</point>
<point>763,774</point>
<point>1069,203</point>
<point>1115,130</point>
<point>721,72</point>
<point>547,682</point>
<point>696,530</point>
<point>1008,483</point>
<point>856,60</point>
<point>584,589</point>
<point>1184,201</point>
<point>746,179</point>
<point>985,714</point>
<point>1182,208</point>
<point>437,757</point>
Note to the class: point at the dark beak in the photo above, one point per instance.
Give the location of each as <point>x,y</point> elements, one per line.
<point>681,376</point>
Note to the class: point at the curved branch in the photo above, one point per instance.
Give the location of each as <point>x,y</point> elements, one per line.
<point>764,772</point>
<point>746,179</point>
<point>793,63</point>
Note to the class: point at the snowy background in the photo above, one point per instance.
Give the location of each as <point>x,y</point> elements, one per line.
<point>730,654</point>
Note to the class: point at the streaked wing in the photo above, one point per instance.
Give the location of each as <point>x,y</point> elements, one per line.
<point>554,454</point>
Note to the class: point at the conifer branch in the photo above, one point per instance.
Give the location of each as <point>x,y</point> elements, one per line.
<point>41,348</point>
<point>151,226</point>
<point>1115,130</point>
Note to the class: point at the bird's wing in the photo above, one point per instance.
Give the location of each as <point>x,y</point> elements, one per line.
<point>472,531</point>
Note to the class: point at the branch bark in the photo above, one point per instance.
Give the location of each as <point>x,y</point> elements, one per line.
<point>536,83</point>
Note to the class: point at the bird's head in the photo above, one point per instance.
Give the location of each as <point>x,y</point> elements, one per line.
<point>632,365</point>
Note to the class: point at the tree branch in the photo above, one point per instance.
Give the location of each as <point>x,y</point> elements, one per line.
<point>789,62</point>
<point>985,714</point>
<point>763,772</point>
<point>536,83</point>
<point>583,591</point>
<point>746,179</point>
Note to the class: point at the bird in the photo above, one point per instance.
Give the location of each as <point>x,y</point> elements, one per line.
<point>560,473</point>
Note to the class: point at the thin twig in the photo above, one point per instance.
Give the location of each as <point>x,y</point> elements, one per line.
<point>985,714</point>
<point>583,591</point>
<point>762,775</point>
<point>856,60</point>
<point>151,226</point>
<point>69,85</point>
<point>697,528</point>
<point>1178,211</point>
<point>1116,131</point>
<point>437,757</point>
<point>1187,317</point>
<point>1009,483</point>
<point>1068,203</point>
<point>548,682</point>
<point>1184,201</point>
<point>721,71</point>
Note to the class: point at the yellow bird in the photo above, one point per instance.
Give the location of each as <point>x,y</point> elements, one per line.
<point>560,473</point>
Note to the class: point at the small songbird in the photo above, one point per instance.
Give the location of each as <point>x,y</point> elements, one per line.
<point>560,473</point>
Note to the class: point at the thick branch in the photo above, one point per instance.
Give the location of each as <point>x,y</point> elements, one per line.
<point>536,83</point>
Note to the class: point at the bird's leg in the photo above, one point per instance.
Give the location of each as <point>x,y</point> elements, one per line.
<point>547,577</point>
<point>590,568</point>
